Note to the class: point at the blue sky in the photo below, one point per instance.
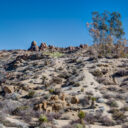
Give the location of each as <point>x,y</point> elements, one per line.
<point>57,22</point>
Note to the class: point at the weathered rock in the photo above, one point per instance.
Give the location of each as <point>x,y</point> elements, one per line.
<point>74,100</point>
<point>57,106</point>
<point>71,48</point>
<point>34,46</point>
<point>48,109</point>
<point>44,105</point>
<point>83,46</point>
<point>54,97</point>
<point>8,89</point>
<point>43,46</point>
<point>38,107</point>
<point>51,47</point>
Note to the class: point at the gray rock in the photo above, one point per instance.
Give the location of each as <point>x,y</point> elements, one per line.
<point>101,108</point>
<point>2,126</point>
<point>100,100</point>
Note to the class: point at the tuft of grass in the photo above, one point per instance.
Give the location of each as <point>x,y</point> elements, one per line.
<point>51,90</point>
<point>31,94</point>
<point>112,103</point>
<point>81,115</point>
<point>43,119</point>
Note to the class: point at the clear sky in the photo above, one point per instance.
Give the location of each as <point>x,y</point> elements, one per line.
<point>57,22</point>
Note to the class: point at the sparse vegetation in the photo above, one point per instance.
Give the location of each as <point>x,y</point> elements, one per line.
<point>49,87</point>
<point>43,119</point>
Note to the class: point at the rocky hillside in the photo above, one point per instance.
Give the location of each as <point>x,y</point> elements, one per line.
<point>48,87</point>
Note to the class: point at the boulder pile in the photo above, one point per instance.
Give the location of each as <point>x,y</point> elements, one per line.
<point>44,46</point>
<point>34,46</point>
<point>56,103</point>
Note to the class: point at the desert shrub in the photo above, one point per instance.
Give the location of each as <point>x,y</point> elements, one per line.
<point>82,90</point>
<point>52,116</point>
<point>108,95</point>
<point>43,119</point>
<point>112,88</point>
<point>75,125</point>
<point>89,93</point>
<point>120,97</point>
<point>26,117</point>
<point>84,101</point>
<point>31,94</point>
<point>104,81</point>
<point>97,73</point>
<point>19,109</point>
<point>106,121</point>
<point>64,75</point>
<point>121,73</point>
<point>8,106</point>
<point>112,103</point>
<point>51,90</point>
<point>76,84</point>
<point>57,91</point>
<point>57,80</point>
<point>26,113</point>
<point>81,115</point>
<point>114,110</point>
<point>118,116</point>
<point>93,99</point>
<point>90,118</point>
<point>78,126</point>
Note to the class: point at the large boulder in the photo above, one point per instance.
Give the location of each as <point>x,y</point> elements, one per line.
<point>74,100</point>
<point>57,107</point>
<point>8,89</point>
<point>43,46</point>
<point>51,47</point>
<point>83,46</point>
<point>70,48</point>
<point>34,46</point>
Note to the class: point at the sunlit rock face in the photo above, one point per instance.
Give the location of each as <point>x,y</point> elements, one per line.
<point>34,46</point>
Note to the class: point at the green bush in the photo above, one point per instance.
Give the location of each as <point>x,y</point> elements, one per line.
<point>112,103</point>
<point>81,114</point>
<point>31,94</point>
<point>43,119</point>
<point>51,90</point>
<point>78,126</point>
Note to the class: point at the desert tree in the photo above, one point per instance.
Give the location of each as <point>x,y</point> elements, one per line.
<point>107,32</point>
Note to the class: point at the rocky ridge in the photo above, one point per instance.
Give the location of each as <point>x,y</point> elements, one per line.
<point>47,86</point>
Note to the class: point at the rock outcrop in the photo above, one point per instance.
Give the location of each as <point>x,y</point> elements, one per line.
<point>34,46</point>
<point>43,46</point>
<point>8,89</point>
